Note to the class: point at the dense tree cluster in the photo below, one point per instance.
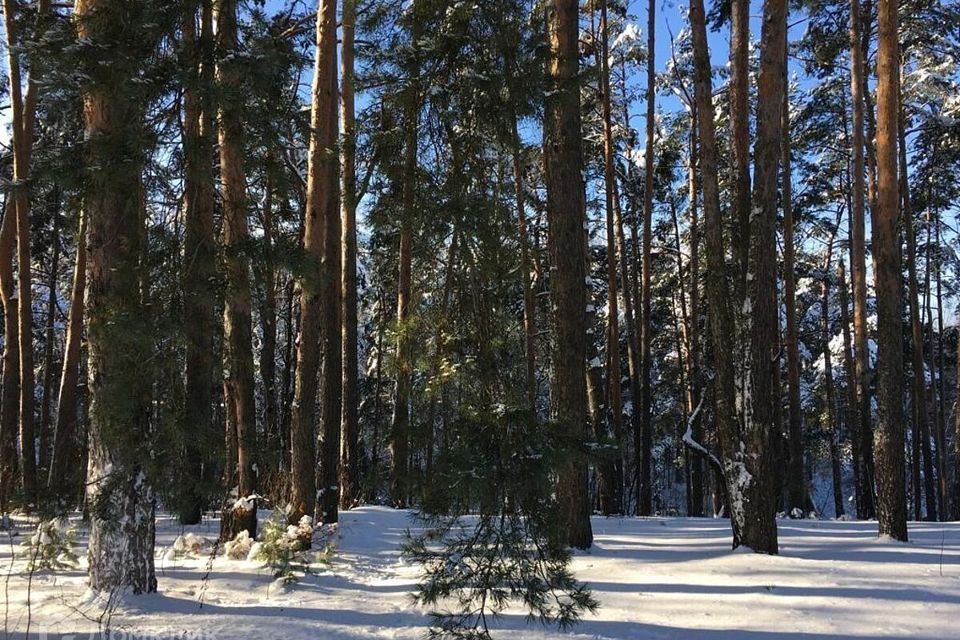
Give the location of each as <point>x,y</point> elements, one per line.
<point>308,255</point>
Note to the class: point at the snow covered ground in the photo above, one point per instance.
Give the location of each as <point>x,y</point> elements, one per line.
<point>655,578</point>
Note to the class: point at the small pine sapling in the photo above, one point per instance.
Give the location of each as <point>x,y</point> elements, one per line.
<point>281,547</point>
<point>491,530</point>
<point>51,546</point>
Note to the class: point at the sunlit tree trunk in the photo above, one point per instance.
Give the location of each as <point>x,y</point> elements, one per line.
<point>120,499</point>
<point>891,498</point>
<point>316,293</point>
<point>237,331</point>
<point>326,204</point>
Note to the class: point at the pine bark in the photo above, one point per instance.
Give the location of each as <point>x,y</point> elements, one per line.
<point>695,381</point>
<point>199,266</point>
<point>941,388</point>
<point>858,268</point>
<point>400,423</point>
<point>566,215</point>
<point>920,438</point>
<point>64,453</point>
<point>614,391</point>
<point>10,391</point>
<point>120,345</point>
<point>740,135</point>
<point>851,387</point>
<point>720,318</point>
<point>315,287</point>
<point>797,497</point>
<point>49,344</point>
<point>349,428</point>
<point>891,498</point>
<point>237,321</point>
<point>645,498</point>
<point>325,205</point>
<point>830,405</point>
<point>23,118</point>
<point>268,326</point>
<point>762,392</point>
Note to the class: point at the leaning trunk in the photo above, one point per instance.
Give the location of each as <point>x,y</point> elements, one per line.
<point>64,453</point>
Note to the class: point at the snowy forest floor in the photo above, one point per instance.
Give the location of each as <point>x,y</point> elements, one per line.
<point>655,578</point>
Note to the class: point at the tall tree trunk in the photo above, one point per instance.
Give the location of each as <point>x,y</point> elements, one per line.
<point>201,434</point>
<point>614,375</point>
<point>326,203</point>
<point>956,453</point>
<point>720,318</point>
<point>314,283</point>
<point>237,332</point>
<point>762,392</point>
<point>850,375</point>
<point>891,499</point>
<point>527,275</point>
<point>740,134</point>
<point>830,410</point>
<point>24,116</point>
<point>10,392</point>
<point>628,278</point>
<point>694,377</point>
<point>931,486</point>
<point>645,498</point>
<point>120,345</point>
<point>941,390</point>
<point>830,414</point>
<point>350,427</point>
<point>920,440</point>
<point>863,429</point>
<point>64,454</point>
<point>566,214</point>
<point>268,327</point>
<point>797,497</point>
<point>46,428</point>
<point>400,424</point>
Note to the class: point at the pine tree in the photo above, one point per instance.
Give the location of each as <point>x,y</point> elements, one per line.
<point>565,206</point>
<point>119,493</point>
<point>891,500</point>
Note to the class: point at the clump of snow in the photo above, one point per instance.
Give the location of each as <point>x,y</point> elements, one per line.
<point>191,545</point>
<point>239,547</point>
